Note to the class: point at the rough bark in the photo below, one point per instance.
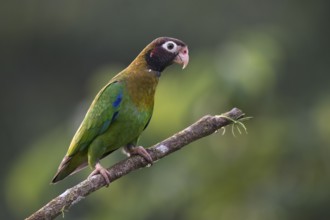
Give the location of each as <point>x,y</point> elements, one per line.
<point>203,127</point>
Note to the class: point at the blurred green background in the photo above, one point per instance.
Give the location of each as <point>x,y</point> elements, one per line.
<point>269,58</point>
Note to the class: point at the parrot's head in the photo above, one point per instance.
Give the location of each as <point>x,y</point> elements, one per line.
<point>164,51</point>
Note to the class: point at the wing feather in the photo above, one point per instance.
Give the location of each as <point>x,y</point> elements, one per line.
<point>102,112</point>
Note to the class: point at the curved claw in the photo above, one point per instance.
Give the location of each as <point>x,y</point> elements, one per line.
<point>139,150</point>
<point>104,173</point>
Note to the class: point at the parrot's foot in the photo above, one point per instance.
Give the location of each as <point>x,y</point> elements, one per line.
<point>139,150</point>
<point>104,173</point>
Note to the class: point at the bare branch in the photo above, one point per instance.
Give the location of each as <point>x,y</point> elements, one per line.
<point>203,127</point>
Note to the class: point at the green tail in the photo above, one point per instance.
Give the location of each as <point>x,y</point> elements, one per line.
<point>69,166</point>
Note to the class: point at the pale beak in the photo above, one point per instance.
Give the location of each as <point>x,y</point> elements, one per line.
<point>182,57</point>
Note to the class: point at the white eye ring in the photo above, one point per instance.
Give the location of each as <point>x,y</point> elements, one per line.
<point>170,46</point>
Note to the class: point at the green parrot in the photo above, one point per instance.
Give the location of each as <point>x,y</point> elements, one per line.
<point>121,110</point>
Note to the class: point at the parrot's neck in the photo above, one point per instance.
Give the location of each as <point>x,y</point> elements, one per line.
<point>157,73</point>
<point>141,85</point>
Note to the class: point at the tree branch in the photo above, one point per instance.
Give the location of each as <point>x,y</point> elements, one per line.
<point>203,127</point>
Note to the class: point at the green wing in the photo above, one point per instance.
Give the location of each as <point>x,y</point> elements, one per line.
<point>102,112</point>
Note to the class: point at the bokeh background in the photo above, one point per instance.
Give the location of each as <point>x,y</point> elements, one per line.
<point>270,58</point>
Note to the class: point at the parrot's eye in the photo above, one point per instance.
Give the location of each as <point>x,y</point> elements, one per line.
<point>170,46</point>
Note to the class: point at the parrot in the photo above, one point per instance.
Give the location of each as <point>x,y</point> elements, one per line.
<point>121,110</point>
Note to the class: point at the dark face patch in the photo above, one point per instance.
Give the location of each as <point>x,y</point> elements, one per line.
<point>158,58</point>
